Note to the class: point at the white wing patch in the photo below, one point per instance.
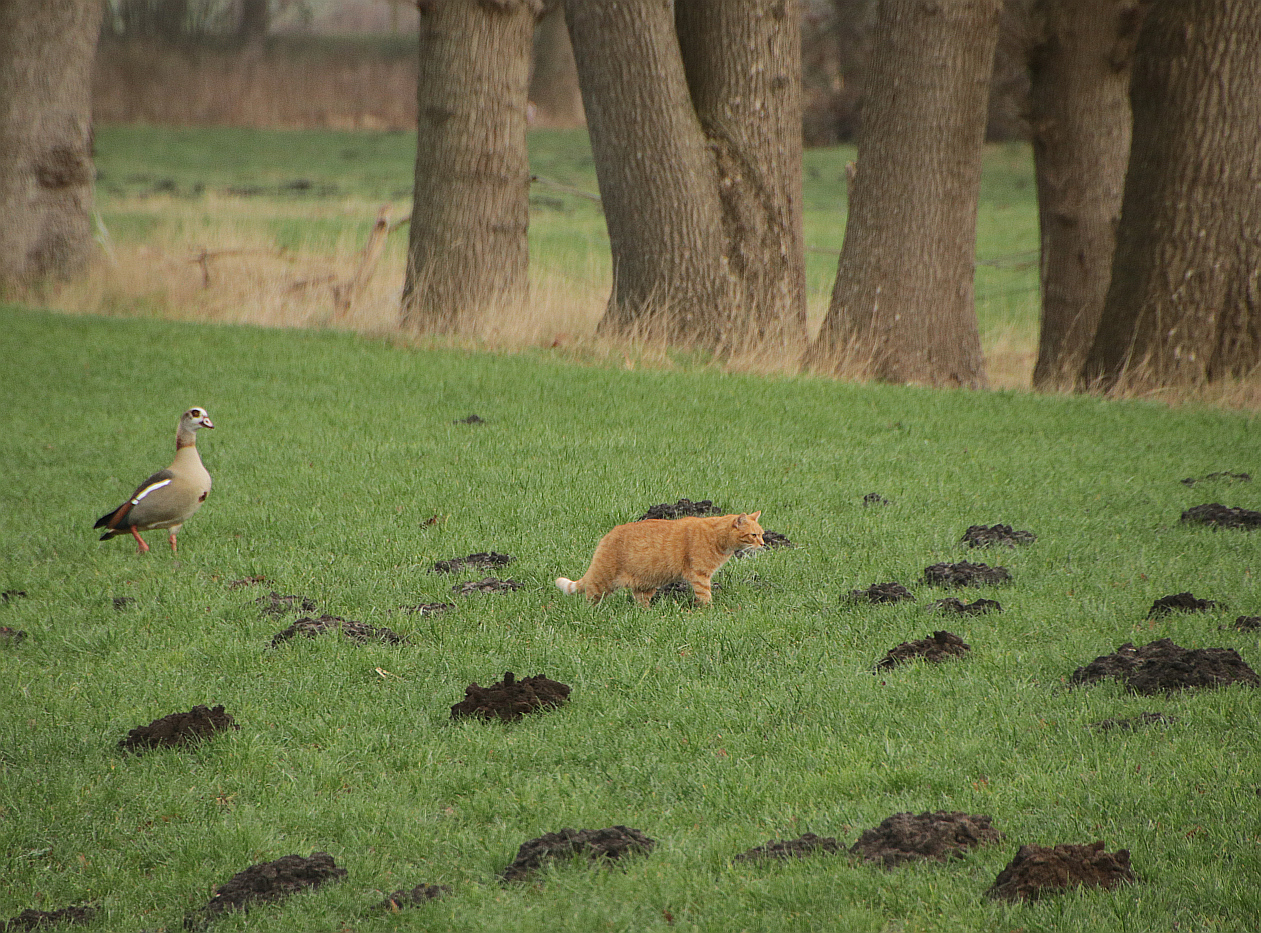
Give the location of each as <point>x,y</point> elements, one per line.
<point>148,489</point>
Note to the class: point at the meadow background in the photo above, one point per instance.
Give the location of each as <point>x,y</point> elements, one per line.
<point>260,226</point>
<point>340,473</point>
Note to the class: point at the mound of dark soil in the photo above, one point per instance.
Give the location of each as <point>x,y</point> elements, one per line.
<point>124,602</point>
<point>510,699</point>
<point>681,589</point>
<point>31,919</point>
<point>9,595</point>
<point>275,603</point>
<point>178,729</point>
<point>471,419</point>
<point>267,882</point>
<point>483,560</point>
<point>1219,516</point>
<point>891,592</point>
<point>1163,667</point>
<point>11,635</point>
<point>950,604</point>
<point>1039,870</point>
<point>874,498</point>
<point>427,609</point>
<point>801,847</point>
<point>938,647</point>
<point>486,585</point>
<point>421,894</point>
<point>1220,475</point>
<point>1242,624</point>
<point>965,574</point>
<point>355,631</point>
<point>1183,602</point>
<point>598,845</point>
<point>247,581</point>
<point>907,837</point>
<point>1132,723</point>
<point>986,536</point>
<point>681,509</point>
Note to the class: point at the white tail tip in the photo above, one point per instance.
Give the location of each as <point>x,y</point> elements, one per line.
<point>567,586</point>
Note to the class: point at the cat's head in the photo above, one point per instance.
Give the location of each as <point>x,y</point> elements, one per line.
<point>747,532</point>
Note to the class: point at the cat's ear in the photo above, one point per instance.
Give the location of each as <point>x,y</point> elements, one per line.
<point>756,514</point>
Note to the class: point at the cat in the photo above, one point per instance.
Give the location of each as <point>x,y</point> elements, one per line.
<point>648,554</point>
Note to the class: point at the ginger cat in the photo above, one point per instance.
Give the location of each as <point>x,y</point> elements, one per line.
<point>647,555</point>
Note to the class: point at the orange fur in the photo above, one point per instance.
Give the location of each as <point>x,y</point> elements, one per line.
<point>645,556</point>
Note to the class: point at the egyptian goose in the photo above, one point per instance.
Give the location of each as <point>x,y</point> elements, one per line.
<point>169,498</point>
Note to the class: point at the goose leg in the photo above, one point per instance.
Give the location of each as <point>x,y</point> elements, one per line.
<point>139,540</point>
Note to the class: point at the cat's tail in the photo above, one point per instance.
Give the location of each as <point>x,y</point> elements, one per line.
<point>567,586</point>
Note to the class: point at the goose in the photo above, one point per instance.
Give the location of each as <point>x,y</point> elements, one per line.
<point>169,497</point>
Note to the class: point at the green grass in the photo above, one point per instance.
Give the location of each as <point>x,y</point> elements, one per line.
<point>710,730</point>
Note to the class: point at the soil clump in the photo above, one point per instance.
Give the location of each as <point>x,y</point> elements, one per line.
<point>1216,515</point>
<point>891,592</point>
<point>1183,602</point>
<point>124,602</point>
<point>1241,624</point>
<point>486,585</point>
<point>355,631</point>
<point>267,882</point>
<point>31,919</point>
<point>276,604</point>
<point>510,699</point>
<point>11,635</point>
<point>1219,475</point>
<point>874,498</point>
<point>1163,667</point>
<point>9,595</point>
<point>1040,870</point>
<point>965,574</point>
<point>247,581</point>
<point>421,894</point>
<point>483,560</point>
<point>178,729</point>
<point>471,419</point>
<point>908,837</point>
<point>1131,723</point>
<point>801,847</point>
<point>935,649</point>
<point>959,607</point>
<point>598,845</point>
<point>988,535</point>
<point>681,509</point>
<point>427,609</point>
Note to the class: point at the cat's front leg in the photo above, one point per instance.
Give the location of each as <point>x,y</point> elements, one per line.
<point>701,590</point>
<point>644,597</point>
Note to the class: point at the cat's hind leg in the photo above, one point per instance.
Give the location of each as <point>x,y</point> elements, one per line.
<point>644,597</point>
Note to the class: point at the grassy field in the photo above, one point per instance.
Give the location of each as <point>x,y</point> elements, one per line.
<point>711,730</point>
<point>281,215</point>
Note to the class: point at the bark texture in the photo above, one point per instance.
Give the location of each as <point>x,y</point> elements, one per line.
<point>743,68</point>
<point>902,308</point>
<point>46,172</point>
<point>467,250</point>
<point>1079,70</point>
<point>554,80</point>
<point>694,118</point>
<point>1184,303</point>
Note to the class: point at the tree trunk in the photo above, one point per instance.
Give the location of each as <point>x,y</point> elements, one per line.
<point>1184,304</point>
<point>255,20</point>
<point>46,173</point>
<point>658,181</point>
<point>902,307</point>
<point>554,79</point>
<point>468,251</point>
<point>1079,70</point>
<point>743,67</point>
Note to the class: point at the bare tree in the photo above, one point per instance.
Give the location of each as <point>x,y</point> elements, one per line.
<point>468,251</point>
<point>695,126</point>
<point>46,173</point>
<point>902,307</point>
<point>1184,303</point>
<point>1079,69</point>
